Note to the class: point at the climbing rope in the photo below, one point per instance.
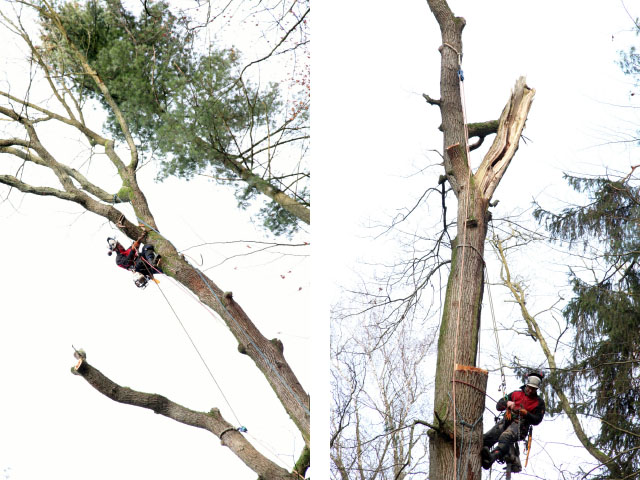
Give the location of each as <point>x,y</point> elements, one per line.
<point>195,347</point>
<point>202,359</point>
<point>465,209</point>
<point>197,300</point>
<point>250,340</point>
<point>471,427</point>
<point>241,429</point>
<point>283,461</point>
<point>503,381</point>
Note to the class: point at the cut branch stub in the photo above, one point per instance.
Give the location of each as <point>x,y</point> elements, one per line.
<point>481,130</point>
<point>432,101</point>
<point>212,421</point>
<point>460,173</point>
<point>507,139</point>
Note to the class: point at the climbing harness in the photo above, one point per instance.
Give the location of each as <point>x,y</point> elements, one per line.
<point>140,279</point>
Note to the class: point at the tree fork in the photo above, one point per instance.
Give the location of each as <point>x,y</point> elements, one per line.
<point>266,356</point>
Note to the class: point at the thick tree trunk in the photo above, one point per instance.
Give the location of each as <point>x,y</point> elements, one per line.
<point>457,344</point>
<point>459,390</point>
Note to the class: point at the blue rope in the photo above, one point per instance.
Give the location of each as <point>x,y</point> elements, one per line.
<point>273,369</point>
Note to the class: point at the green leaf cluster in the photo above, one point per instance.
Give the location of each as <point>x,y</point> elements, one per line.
<point>187,108</point>
<point>604,379</point>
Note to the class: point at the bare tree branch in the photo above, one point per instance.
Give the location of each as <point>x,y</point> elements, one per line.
<point>212,421</point>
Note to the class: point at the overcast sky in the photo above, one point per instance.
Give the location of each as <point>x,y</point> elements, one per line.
<point>374,132</point>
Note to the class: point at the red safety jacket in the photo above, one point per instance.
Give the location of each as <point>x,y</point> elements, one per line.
<point>534,406</point>
<point>125,258</point>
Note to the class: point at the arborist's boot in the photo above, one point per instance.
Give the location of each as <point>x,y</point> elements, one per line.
<point>513,458</point>
<point>488,457</point>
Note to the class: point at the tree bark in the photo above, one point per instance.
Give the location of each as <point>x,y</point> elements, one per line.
<point>457,344</point>
<point>268,355</point>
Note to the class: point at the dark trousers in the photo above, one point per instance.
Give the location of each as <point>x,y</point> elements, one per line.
<point>145,263</point>
<point>503,432</point>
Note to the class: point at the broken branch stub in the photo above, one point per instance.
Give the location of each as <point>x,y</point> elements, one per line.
<point>510,126</point>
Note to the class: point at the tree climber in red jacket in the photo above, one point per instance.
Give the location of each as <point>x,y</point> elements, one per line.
<point>125,258</point>
<point>523,409</point>
<point>147,264</point>
<point>143,264</point>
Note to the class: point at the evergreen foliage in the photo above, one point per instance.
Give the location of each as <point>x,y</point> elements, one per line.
<point>604,380</point>
<point>189,109</point>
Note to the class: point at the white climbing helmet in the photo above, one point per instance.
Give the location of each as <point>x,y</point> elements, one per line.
<point>112,245</point>
<point>533,381</point>
<point>140,280</point>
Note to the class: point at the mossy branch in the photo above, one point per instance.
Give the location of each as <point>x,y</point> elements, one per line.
<point>303,463</point>
<point>481,130</point>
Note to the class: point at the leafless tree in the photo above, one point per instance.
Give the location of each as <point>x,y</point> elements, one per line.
<point>379,400</point>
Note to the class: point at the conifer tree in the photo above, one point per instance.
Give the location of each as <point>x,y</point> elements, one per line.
<point>604,380</point>
<point>191,108</point>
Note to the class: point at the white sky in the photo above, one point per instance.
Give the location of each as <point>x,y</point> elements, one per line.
<point>61,289</point>
<point>372,129</point>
